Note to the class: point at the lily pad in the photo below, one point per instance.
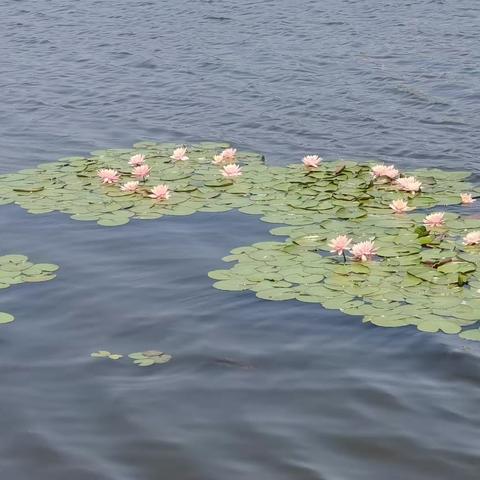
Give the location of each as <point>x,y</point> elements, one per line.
<point>6,317</point>
<point>150,357</point>
<point>471,334</point>
<point>106,354</point>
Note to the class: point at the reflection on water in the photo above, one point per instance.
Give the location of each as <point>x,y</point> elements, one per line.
<point>255,389</point>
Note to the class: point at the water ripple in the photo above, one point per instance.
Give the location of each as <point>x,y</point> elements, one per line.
<point>255,389</point>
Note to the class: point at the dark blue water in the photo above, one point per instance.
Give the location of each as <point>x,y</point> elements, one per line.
<point>307,393</point>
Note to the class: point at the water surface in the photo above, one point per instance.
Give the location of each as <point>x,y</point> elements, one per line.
<point>256,389</point>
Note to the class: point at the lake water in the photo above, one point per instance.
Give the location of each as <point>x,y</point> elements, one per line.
<point>256,389</point>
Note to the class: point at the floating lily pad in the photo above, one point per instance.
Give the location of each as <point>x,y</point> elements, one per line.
<point>6,317</point>
<point>436,325</point>
<point>150,357</point>
<point>471,334</point>
<point>106,354</point>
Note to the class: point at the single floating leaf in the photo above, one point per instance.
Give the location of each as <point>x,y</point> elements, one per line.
<point>6,317</point>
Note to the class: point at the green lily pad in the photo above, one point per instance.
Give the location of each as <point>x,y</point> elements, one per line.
<point>106,354</point>
<point>276,294</point>
<point>150,357</point>
<point>471,334</point>
<point>6,317</point>
<point>436,325</point>
<point>113,221</point>
<point>230,285</point>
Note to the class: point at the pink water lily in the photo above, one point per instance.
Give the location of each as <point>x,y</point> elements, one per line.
<point>108,175</point>
<point>229,155</point>
<point>408,184</point>
<point>364,250</point>
<point>472,238</point>
<point>180,154</point>
<point>388,171</point>
<point>130,187</point>
<point>311,161</point>
<point>160,192</point>
<point>400,206</point>
<point>467,198</point>
<point>434,220</point>
<point>218,159</point>
<point>231,171</point>
<point>340,244</point>
<point>141,172</point>
<point>137,160</point>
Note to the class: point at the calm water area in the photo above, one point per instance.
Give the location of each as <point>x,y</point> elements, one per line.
<point>256,389</point>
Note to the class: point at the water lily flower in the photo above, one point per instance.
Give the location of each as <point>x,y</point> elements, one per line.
<point>218,159</point>
<point>364,250</point>
<point>108,175</point>
<point>467,198</point>
<point>385,171</point>
<point>179,154</point>
<point>229,155</point>
<point>231,171</point>
<point>141,172</point>
<point>408,184</point>
<point>400,206</point>
<point>340,244</point>
<point>137,160</point>
<point>160,192</point>
<point>129,187</point>
<point>472,238</point>
<point>311,161</point>
<point>434,220</point>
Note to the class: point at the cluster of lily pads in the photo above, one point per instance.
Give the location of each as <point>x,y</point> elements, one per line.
<point>72,185</point>
<point>17,269</point>
<point>142,359</point>
<point>415,261</point>
<point>419,269</point>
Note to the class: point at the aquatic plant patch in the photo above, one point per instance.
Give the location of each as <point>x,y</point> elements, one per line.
<point>401,286</point>
<point>293,195</point>
<point>17,269</point>
<point>111,189</point>
<point>149,358</point>
<point>141,359</point>
<point>366,239</point>
<point>106,354</point>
